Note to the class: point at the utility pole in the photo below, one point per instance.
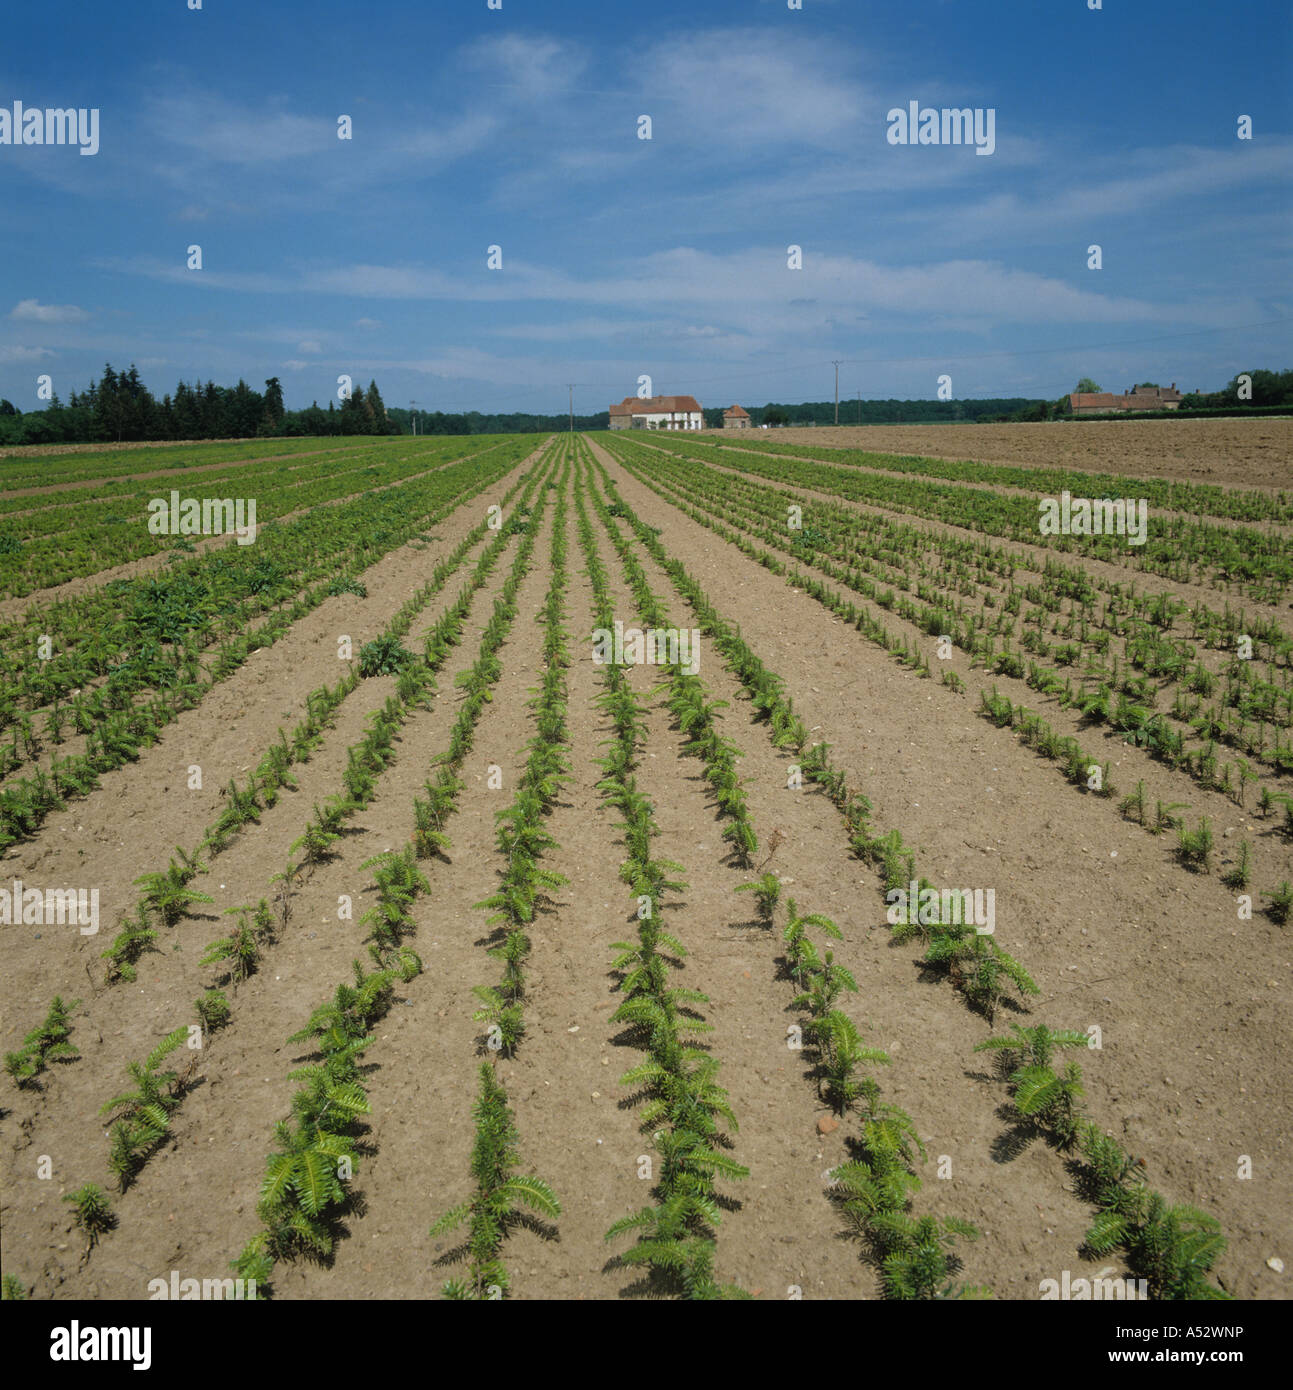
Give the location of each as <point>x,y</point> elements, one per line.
<point>571,387</point>
<point>859,407</point>
<point>413,416</point>
<point>837,393</point>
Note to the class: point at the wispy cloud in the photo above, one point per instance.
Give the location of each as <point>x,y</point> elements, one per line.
<point>1153,179</point>
<point>15,353</point>
<point>753,89</point>
<point>440,145</point>
<point>33,311</point>
<point>531,67</point>
<point>749,289</point>
<point>228,132</point>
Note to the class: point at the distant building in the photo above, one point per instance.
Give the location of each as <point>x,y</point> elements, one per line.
<point>1137,398</point>
<point>658,413</point>
<point>736,419</point>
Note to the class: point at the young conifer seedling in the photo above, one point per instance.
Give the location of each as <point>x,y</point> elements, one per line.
<point>239,950</point>
<point>169,895</point>
<point>143,1114</point>
<point>500,1193</point>
<point>92,1212</point>
<point>47,1043</point>
<point>1280,902</point>
<point>1237,876</point>
<point>767,893</point>
<point>213,1009</point>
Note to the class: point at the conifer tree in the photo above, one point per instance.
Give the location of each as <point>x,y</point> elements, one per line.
<point>381,423</point>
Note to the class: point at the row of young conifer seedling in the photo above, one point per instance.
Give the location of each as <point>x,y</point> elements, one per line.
<point>523,840</point>
<point>167,894</point>
<point>305,1185</point>
<point>684,1103</point>
<point>305,1177</point>
<point>1173,1247</point>
<point>1080,768</point>
<point>115,735</point>
<point>685,1108</point>
<point>142,1116</point>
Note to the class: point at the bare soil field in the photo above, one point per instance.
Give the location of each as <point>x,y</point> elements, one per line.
<point>1231,453</point>
<point>528,853</point>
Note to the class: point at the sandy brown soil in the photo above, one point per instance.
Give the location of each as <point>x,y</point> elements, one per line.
<point>1192,1002</point>
<point>147,807</point>
<point>1109,925</point>
<point>1135,764</point>
<point>1228,452</point>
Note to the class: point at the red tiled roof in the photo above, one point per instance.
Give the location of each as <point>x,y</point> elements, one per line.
<point>737,413</point>
<point>1137,400</point>
<point>656,405</point>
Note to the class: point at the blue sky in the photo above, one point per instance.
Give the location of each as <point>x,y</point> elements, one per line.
<point>518,127</point>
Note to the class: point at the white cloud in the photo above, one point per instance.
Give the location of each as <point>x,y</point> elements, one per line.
<point>749,291</point>
<point>470,364</point>
<point>23,354</point>
<point>451,141</point>
<point>752,88</point>
<point>252,282</point>
<point>1154,179</point>
<point>532,66</point>
<point>232,133</point>
<point>33,311</point>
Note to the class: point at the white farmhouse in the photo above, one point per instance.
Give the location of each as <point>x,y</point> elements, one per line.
<point>658,413</point>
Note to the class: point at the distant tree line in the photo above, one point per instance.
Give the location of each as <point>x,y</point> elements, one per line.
<point>473,422</point>
<point>887,412</point>
<point>1270,391</point>
<point>119,408</point>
